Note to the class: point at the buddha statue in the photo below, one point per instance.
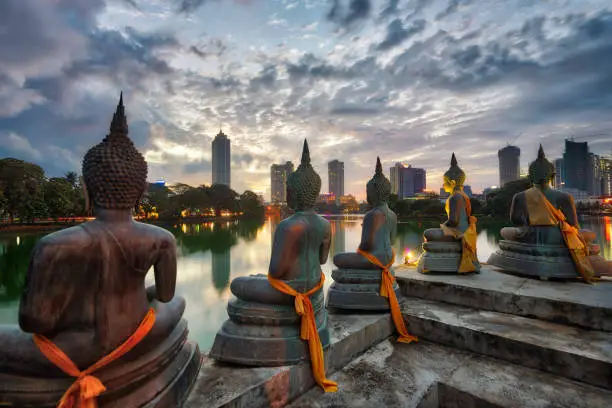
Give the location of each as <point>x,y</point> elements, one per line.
<point>546,240</point>
<point>85,300</point>
<point>452,247</point>
<point>356,280</point>
<point>269,314</point>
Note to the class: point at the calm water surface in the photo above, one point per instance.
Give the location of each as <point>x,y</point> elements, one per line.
<point>212,254</point>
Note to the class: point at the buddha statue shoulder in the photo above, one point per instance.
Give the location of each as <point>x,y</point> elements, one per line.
<point>457,235</point>
<point>85,292</point>
<point>379,227</point>
<point>300,245</point>
<point>546,230</point>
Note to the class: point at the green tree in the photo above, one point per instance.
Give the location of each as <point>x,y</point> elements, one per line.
<point>250,205</point>
<point>22,185</point>
<point>60,197</point>
<point>223,198</point>
<point>499,202</point>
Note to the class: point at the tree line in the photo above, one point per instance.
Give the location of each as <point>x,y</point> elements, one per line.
<point>26,194</point>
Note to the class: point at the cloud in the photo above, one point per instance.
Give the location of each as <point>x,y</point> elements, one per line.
<point>346,13</point>
<point>397,34</point>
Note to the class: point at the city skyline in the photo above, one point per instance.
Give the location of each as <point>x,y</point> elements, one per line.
<point>409,81</point>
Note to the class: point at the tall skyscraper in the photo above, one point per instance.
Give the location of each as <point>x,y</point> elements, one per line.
<point>606,176</point>
<point>278,182</point>
<point>336,177</point>
<point>594,179</point>
<point>407,181</point>
<point>559,181</point>
<point>575,163</point>
<point>509,164</point>
<point>221,160</point>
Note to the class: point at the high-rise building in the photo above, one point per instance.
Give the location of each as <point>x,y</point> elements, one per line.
<point>575,164</point>
<point>606,176</point>
<point>221,173</point>
<point>594,177</point>
<point>279,173</point>
<point>559,180</point>
<point>336,177</point>
<point>407,181</point>
<point>509,164</point>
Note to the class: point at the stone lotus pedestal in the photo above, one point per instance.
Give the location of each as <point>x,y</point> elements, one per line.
<point>162,377</point>
<point>442,256</point>
<point>265,334</point>
<point>358,289</point>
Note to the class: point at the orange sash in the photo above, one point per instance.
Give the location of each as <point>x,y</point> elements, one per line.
<point>386,290</point>
<point>469,258</point>
<point>308,330</point>
<point>83,392</point>
<point>573,239</point>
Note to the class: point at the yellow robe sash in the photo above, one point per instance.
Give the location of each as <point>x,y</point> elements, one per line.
<point>542,212</point>
<point>386,290</point>
<point>308,330</point>
<point>469,257</point>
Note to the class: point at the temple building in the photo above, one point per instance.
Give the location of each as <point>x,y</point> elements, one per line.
<point>278,182</point>
<point>336,177</point>
<point>509,164</point>
<point>221,160</point>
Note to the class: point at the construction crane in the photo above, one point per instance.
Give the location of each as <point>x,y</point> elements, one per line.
<point>511,140</point>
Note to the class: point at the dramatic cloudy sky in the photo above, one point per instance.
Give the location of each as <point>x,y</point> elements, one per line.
<point>410,81</point>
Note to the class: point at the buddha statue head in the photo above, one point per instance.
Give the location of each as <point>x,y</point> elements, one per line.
<point>114,172</point>
<point>378,188</point>
<point>541,171</point>
<point>454,177</point>
<point>303,185</point>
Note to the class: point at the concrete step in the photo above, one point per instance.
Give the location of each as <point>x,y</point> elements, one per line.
<point>225,385</point>
<point>572,303</point>
<point>426,375</point>
<point>571,352</point>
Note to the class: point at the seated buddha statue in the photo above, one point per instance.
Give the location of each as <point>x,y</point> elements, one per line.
<point>356,280</point>
<point>546,240</point>
<point>452,247</point>
<point>264,326</point>
<point>85,298</point>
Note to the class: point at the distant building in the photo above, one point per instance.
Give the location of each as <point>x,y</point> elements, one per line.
<point>577,194</point>
<point>559,180</point>
<point>575,164</point>
<point>488,191</point>
<point>336,177</point>
<point>407,181</point>
<point>160,182</point>
<point>279,173</point>
<point>328,198</point>
<point>468,190</point>
<point>594,175</point>
<point>509,164</point>
<point>221,160</point>
<point>606,176</point>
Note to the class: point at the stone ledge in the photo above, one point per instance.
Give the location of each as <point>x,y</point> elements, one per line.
<point>220,385</point>
<point>570,352</point>
<point>573,303</point>
<point>426,375</point>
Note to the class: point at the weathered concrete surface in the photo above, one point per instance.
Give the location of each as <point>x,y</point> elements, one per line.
<point>571,352</point>
<point>426,375</point>
<point>573,303</point>
<point>235,386</point>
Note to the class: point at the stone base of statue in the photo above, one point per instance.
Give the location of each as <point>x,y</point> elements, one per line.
<point>161,378</point>
<point>358,289</point>
<point>442,256</point>
<point>265,334</point>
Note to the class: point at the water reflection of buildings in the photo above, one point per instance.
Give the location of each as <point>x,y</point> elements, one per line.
<point>221,269</point>
<point>338,241</point>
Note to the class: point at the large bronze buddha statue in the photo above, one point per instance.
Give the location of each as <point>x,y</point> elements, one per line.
<point>85,311</point>
<point>546,241</point>
<point>271,316</point>
<point>356,280</point>
<point>452,247</point>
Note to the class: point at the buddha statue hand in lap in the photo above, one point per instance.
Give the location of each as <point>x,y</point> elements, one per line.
<point>546,240</point>
<point>265,324</point>
<point>452,247</point>
<point>356,280</point>
<point>85,298</point>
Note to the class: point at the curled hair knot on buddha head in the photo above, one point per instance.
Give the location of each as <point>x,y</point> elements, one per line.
<point>114,171</point>
<point>541,171</point>
<point>454,173</point>
<point>378,189</point>
<point>304,184</point>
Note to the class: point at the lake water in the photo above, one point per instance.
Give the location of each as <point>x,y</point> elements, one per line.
<point>212,254</point>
